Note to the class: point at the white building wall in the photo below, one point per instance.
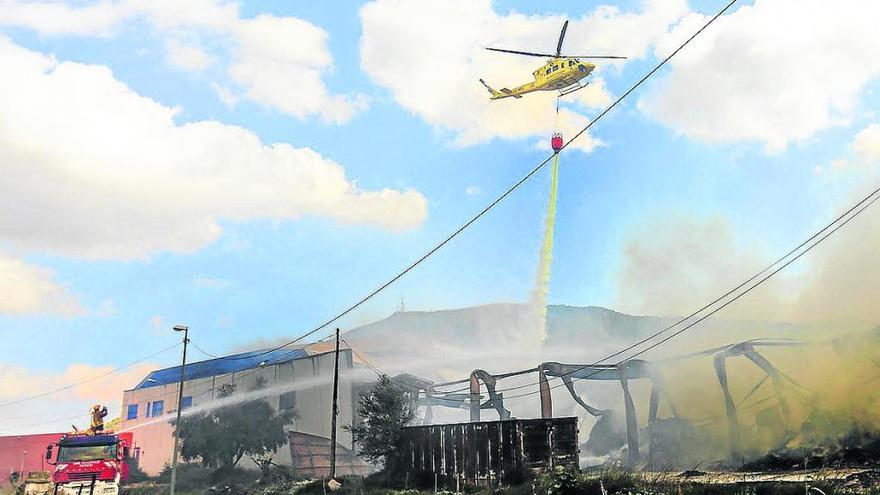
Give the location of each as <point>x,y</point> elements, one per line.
<point>311,378</point>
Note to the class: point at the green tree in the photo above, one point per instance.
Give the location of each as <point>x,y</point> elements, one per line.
<point>385,410</point>
<point>220,437</point>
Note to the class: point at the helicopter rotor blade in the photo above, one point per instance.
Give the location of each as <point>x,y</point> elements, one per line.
<point>613,57</point>
<point>561,37</point>
<point>517,52</point>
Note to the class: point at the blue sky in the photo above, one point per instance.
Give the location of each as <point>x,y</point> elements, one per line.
<point>767,180</point>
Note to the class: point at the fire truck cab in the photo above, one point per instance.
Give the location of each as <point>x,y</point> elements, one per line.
<point>87,464</point>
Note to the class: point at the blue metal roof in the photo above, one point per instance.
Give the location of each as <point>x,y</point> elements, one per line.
<point>220,366</point>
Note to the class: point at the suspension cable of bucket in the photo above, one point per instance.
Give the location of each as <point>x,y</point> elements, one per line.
<point>556,142</point>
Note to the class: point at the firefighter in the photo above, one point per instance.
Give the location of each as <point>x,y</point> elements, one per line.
<point>98,414</point>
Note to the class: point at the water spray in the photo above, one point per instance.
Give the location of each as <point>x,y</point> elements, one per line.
<point>542,281</point>
<point>238,398</point>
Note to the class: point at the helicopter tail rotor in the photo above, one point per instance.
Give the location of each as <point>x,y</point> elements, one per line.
<point>492,90</point>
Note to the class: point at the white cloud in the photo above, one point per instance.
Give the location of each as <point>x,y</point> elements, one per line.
<point>104,17</point>
<point>52,18</point>
<point>92,169</point>
<point>274,61</point>
<point>866,144</point>
<point>174,14</point>
<point>472,190</point>
<point>226,95</point>
<point>775,72</point>
<point>432,68</point>
<point>187,56</point>
<point>279,61</point>
<point>67,406</point>
<point>864,150</point>
<point>28,289</point>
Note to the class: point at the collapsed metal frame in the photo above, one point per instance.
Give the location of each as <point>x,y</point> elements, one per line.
<point>776,377</point>
<point>623,372</point>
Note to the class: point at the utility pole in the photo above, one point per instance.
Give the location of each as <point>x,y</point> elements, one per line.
<point>185,330</point>
<point>335,412</point>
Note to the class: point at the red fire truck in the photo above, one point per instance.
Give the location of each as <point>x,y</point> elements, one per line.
<point>90,464</point>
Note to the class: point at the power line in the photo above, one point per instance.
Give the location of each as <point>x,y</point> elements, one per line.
<point>450,237</point>
<point>716,300</point>
<point>602,114</point>
<point>846,217</point>
<point>96,377</point>
<point>727,303</point>
<point>504,195</point>
<point>767,277</point>
<point>195,392</point>
<point>208,354</point>
<point>162,396</point>
<point>170,394</point>
<point>702,318</point>
<point>378,371</point>
<point>402,384</point>
<point>68,418</point>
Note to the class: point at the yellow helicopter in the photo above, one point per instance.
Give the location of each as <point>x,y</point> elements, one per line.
<point>563,73</point>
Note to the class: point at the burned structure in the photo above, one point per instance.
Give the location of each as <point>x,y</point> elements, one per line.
<point>623,372</point>
<point>779,380</point>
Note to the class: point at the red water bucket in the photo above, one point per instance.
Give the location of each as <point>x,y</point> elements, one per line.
<point>556,142</point>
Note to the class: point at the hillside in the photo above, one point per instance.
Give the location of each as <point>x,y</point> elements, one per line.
<point>502,337</point>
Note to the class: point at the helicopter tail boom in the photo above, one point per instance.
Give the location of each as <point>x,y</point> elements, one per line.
<point>504,93</point>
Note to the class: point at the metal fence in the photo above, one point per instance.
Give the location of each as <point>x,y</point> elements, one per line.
<point>310,456</point>
<point>489,450</point>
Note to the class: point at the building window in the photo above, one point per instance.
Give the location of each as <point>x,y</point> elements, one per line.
<point>287,401</point>
<point>148,410</point>
<point>132,411</point>
<point>186,403</point>
<point>158,408</point>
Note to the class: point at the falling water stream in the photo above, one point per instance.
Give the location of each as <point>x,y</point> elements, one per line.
<point>542,280</point>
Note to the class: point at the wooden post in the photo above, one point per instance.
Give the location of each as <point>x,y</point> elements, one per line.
<point>335,411</point>
<point>475,398</point>
<point>546,399</point>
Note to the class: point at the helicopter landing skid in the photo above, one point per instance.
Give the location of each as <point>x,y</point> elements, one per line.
<point>571,89</point>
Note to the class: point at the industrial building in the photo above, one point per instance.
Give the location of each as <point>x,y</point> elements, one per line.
<point>293,379</point>
<point>23,454</point>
